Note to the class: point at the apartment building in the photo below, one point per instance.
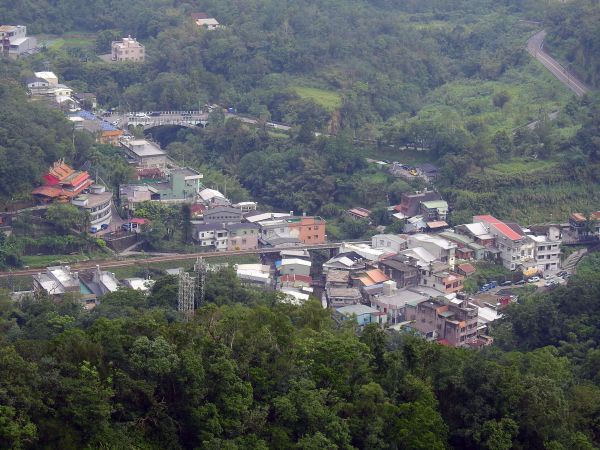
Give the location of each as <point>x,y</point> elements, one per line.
<point>450,321</point>
<point>434,210</point>
<point>547,250</point>
<point>515,248</point>
<point>442,249</point>
<point>438,277</point>
<point>14,41</point>
<point>390,242</point>
<point>97,203</point>
<point>212,235</point>
<point>144,154</point>
<point>127,49</point>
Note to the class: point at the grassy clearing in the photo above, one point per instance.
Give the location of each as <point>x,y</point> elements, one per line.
<point>330,100</point>
<point>275,135</point>
<point>67,40</point>
<point>34,261</point>
<point>521,165</point>
<point>531,89</point>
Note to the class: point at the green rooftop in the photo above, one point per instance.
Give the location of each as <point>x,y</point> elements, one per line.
<point>436,204</point>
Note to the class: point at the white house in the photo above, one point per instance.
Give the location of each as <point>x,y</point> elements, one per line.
<point>442,249</point>
<point>212,234</point>
<point>390,242</point>
<point>294,266</point>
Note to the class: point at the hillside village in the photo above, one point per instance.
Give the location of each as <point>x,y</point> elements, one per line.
<point>413,281</point>
<point>299,225</point>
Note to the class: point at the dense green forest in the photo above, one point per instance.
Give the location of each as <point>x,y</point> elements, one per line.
<point>249,371</point>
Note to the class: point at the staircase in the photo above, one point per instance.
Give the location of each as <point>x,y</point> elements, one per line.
<point>570,264</point>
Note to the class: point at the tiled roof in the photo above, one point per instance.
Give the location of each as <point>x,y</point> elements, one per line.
<point>295,277</point>
<point>500,226</point>
<point>467,268</point>
<point>377,275</point>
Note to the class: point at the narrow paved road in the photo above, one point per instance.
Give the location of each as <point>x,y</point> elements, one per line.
<point>535,46</point>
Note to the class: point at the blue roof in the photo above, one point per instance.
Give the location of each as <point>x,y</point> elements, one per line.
<point>107,126</point>
<point>87,115</point>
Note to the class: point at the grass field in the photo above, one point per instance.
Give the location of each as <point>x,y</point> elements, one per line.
<point>531,89</point>
<point>521,165</point>
<point>34,261</point>
<point>67,40</point>
<point>329,100</point>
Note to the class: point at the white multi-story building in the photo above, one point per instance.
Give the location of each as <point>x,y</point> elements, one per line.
<point>98,204</point>
<point>212,234</point>
<point>547,250</point>
<point>389,242</point>
<point>14,40</point>
<point>442,249</point>
<point>516,249</point>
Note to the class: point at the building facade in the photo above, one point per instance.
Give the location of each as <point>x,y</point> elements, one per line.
<point>515,248</point>
<point>309,230</point>
<point>242,236</point>
<point>98,204</point>
<point>128,49</point>
<point>453,321</point>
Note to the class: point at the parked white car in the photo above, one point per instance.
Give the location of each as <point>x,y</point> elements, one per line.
<point>534,279</point>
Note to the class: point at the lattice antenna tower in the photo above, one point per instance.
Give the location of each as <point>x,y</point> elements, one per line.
<point>200,272</point>
<point>185,299</point>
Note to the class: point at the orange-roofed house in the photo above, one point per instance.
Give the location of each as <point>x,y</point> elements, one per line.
<point>515,249</point>
<point>579,223</point>
<point>371,277</point>
<point>62,183</point>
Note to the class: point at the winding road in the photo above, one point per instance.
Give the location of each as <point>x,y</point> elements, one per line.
<point>535,46</point>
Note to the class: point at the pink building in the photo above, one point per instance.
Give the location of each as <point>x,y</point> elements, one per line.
<point>242,236</point>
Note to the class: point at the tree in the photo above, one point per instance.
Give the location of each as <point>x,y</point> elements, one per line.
<point>500,99</point>
<point>65,217</point>
<point>503,144</point>
<point>186,226</point>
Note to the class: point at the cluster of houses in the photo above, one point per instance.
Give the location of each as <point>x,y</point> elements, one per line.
<point>420,211</point>
<point>290,273</point>
<point>88,285</point>
<point>415,281</point>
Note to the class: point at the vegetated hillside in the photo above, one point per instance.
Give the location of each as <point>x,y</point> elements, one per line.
<point>574,37</point>
<point>342,64</point>
<point>32,136</point>
<point>533,176</point>
<point>250,372</point>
